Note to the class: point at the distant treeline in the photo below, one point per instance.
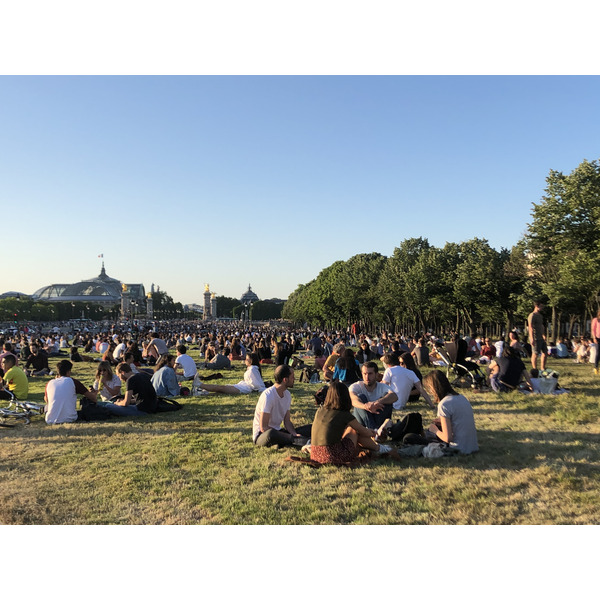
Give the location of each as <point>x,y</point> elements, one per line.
<point>469,286</point>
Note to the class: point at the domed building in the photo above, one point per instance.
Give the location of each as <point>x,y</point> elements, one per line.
<point>249,297</point>
<point>101,290</point>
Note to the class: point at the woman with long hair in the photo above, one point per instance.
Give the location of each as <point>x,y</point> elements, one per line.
<point>106,382</point>
<point>455,423</point>
<point>347,369</point>
<point>252,382</point>
<point>407,361</point>
<point>164,379</point>
<point>336,435</point>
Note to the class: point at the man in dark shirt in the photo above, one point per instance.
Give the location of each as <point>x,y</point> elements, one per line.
<point>140,396</point>
<point>38,361</point>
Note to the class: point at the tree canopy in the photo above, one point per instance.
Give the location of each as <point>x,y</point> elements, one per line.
<point>470,286</point>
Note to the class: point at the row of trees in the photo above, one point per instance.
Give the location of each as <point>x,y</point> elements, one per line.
<point>470,286</point>
<point>261,310</point>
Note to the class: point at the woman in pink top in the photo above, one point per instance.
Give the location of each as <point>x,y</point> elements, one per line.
<point>596,336</point>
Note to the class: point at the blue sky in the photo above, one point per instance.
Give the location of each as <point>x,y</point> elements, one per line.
<point>182,181</point>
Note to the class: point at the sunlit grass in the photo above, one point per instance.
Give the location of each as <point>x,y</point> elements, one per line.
<point>539,463</point>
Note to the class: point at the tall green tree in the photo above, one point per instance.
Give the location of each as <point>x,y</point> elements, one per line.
<point>563,239</point>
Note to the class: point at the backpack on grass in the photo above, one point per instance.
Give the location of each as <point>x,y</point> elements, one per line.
<point>167,405</point>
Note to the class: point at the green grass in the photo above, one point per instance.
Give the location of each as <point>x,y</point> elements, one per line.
<point>539,463</point>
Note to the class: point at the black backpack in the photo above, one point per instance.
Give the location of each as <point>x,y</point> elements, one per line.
<point>167,405</point>
<point>90,411</point>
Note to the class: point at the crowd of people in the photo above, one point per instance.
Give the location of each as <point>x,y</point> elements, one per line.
<point>135,367</point>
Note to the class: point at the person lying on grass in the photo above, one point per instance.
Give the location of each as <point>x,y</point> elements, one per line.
<point>336,435</point>
<point>252,382</point>
<point>273,409</point>
<point>455,423</point>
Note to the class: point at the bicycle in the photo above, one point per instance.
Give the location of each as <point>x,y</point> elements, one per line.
<point>20,410</point>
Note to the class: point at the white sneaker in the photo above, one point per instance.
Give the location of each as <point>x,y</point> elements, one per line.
<point>306,448</point>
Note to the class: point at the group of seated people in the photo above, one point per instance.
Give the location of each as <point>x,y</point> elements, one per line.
<point>357,417</point>
<point>356,413</point>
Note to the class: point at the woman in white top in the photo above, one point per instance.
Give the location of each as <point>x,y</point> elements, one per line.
<point>252,382</point>
<point>106,382</point>
<point>455,424</point>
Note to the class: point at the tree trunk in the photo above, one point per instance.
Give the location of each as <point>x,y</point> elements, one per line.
<point>553,338</point>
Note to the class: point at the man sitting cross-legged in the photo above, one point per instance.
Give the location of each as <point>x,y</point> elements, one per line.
<point>372,400</point>
<point>272,409</point>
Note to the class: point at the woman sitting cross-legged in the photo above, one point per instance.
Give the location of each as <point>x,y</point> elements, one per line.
<point>336,434</point>
<point>252,382</point>
<point>455,424</point>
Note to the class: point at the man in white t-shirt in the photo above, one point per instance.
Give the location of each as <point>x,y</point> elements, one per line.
<point>273,409</point>
<point>186,362</point>
<point>371,399</point>
<point>61,395</point>
<point>401,380</point>
<point>119,350</point>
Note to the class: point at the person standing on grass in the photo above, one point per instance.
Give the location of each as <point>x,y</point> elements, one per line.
<point>336,435</point>
<point>455,423</point>
<point>372,400</point>
<point>537,335</point>
<point>596,338</point>
<point>273,409</point>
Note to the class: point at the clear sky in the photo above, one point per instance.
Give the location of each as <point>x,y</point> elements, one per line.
<point>182,181</point>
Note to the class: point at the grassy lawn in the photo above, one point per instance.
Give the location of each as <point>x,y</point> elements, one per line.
<point>539,463</point>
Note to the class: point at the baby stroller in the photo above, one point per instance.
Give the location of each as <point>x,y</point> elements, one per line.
<point>462,373</point>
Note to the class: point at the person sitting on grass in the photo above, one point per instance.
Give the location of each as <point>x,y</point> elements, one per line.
<point>273,409</point>
<point>402,380</point>
<point>347,369</point>
<point>455,424</point>
<point>372,400</point>
<point>38,361</point>
<point>185,362</point>
<point>329,366</point>
<point>164,379</point>
<point>60,395</point>
<point>106,382</point>
<point>219,361</point>
<point>336,435</point>
<point>507,371</point>
<point>140,397</point>
<point>14,379</point>
<point>252,382</point>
